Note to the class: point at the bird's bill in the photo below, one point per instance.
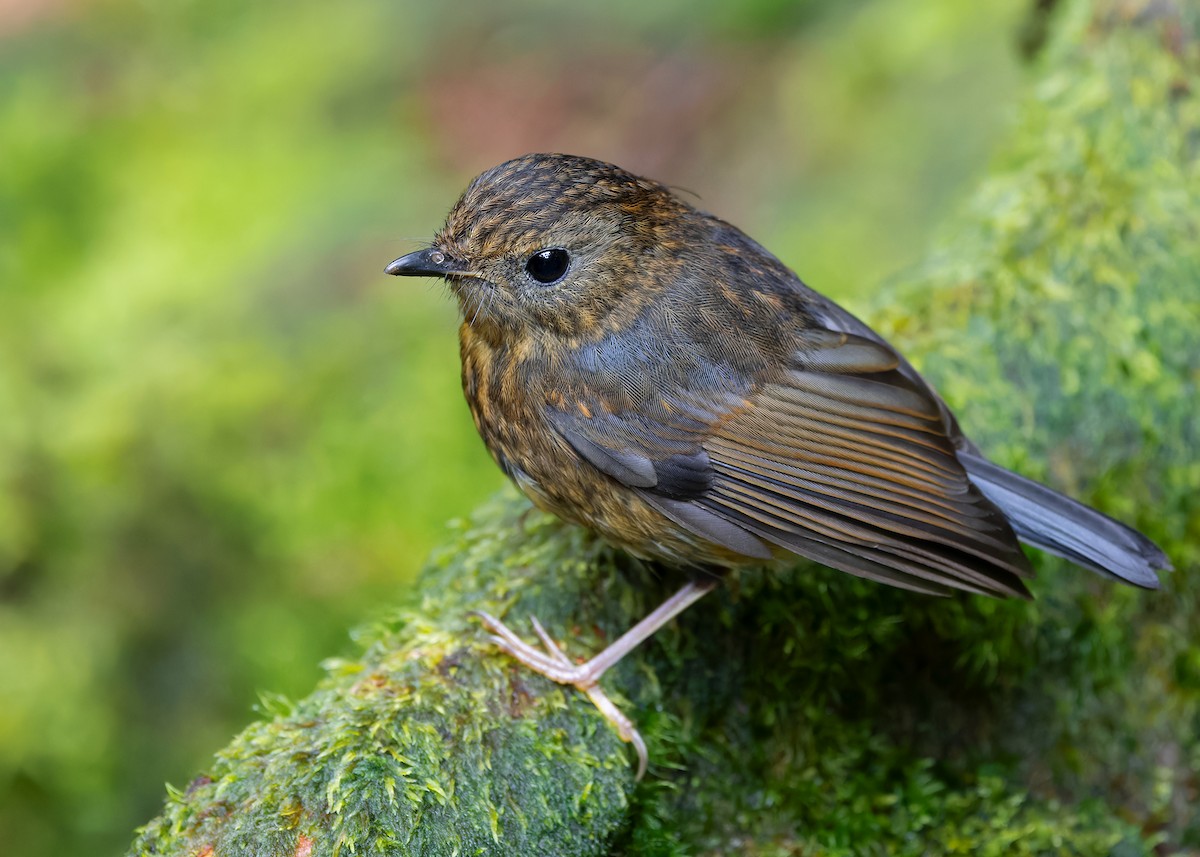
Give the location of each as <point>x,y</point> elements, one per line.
<point>429,262</point>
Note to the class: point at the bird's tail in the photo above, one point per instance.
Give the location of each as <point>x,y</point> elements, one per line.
<point>1055,523</point>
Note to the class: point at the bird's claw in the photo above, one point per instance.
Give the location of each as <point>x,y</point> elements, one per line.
<point>554,664</point>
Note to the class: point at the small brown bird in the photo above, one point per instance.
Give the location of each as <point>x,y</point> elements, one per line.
<point>650,372</point>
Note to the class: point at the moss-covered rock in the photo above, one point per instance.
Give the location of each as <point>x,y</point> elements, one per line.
<point>810,712</point>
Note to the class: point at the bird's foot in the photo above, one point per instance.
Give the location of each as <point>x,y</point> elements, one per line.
<point>554,664</point>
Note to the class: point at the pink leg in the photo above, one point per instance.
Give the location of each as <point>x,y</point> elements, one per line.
<point>555,665</point>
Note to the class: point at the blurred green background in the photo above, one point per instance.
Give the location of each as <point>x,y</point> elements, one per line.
<point>225,437</point>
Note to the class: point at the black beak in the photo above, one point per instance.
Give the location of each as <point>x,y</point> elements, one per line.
<point>429,262</point>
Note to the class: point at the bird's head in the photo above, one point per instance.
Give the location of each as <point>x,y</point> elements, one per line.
<point>565,245</point>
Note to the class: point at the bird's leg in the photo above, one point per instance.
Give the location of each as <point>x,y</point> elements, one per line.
<point>625,728</point>
<point>555,665</point>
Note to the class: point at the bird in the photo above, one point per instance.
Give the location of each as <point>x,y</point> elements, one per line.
<point>648,371</point>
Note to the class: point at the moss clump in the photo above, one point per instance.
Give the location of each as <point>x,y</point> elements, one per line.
<point>430,744</point>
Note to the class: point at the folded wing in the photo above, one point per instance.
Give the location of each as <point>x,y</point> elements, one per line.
<point>844,458</point>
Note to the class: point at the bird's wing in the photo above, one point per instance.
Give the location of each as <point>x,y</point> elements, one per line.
<point>845,458</point>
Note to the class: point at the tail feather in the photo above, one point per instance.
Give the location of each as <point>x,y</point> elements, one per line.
<point>1059,525</point>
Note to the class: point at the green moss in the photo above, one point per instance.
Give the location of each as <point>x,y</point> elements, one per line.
<point>430,744</point>
<point>809,712</point>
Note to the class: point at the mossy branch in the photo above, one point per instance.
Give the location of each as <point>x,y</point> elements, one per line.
<point>808,711</point>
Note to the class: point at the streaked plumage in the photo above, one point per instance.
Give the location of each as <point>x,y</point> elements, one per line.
<point>683,393</point>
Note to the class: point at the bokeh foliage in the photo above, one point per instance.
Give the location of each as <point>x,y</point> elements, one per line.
<point>810,712</point>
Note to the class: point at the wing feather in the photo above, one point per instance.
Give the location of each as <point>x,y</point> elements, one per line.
<point>845,458</point>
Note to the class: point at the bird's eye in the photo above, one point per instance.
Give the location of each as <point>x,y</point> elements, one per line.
<point>548,266</point>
